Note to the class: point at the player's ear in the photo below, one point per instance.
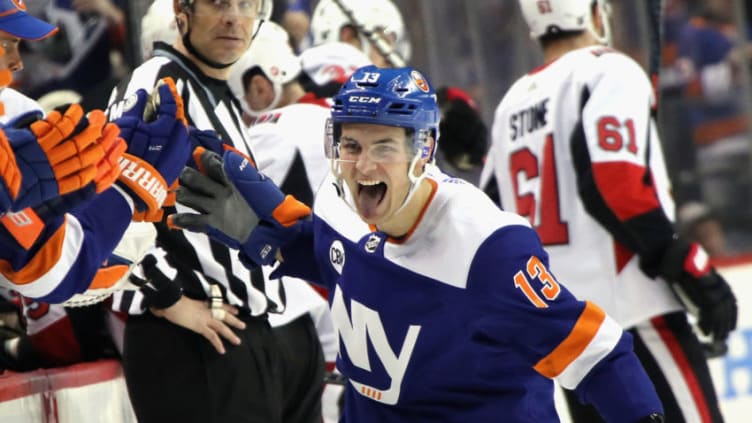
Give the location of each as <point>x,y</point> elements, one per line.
<point>181,20</point>
<point>429,147</point>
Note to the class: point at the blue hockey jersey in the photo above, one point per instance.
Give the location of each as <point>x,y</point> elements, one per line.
<point>461,320</point>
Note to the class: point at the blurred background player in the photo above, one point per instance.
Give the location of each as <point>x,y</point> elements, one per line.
<point>158,25</point>
<point>712,55</point>
<point>92,41</point>
<point>576,151</point>
<point>463,139</point>
<point>340,45</point>
<point>698,223</point>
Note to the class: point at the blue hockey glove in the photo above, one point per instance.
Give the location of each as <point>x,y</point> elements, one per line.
<point>209,140</point>
<point>280,214</point>
<point>266,199</point>
<point>158,149</point>
<point>225,215</point>
<point>229,198</point>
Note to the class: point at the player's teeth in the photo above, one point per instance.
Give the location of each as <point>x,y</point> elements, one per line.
<point>369,183</point>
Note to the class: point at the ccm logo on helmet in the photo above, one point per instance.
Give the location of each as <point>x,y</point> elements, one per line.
<point>364,100</point>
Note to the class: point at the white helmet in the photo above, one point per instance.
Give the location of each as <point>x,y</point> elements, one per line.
<point>158,24</point>
<point>552,16</point>
<point>328,19</point>
<point>270,51</point>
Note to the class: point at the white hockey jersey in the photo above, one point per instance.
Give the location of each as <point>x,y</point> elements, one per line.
<point>575,150</point>
<point>288,144</point>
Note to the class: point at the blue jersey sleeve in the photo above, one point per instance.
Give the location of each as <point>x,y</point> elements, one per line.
<point>521,305</point>
<point>69,252</point>
<point>299,260</point>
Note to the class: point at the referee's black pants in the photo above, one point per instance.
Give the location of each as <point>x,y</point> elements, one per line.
<point>303,369</point>
<point>175,375</point>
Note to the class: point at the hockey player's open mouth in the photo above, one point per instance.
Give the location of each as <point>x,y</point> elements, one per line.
<point>370,195</point>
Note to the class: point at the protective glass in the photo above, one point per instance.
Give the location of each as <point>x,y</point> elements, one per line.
<point>386,151</point>
<point>241,8</point>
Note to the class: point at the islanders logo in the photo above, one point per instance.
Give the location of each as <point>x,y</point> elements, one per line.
<point>20,4</point>
<point>420,81</point>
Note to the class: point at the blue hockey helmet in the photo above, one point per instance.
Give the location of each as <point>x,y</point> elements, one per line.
<point>400,97</point>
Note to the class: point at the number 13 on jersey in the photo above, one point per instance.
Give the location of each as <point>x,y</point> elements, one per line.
<point>537,283</point>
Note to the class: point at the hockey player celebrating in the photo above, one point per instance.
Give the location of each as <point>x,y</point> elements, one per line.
<point>427,333</point>
<point>575,150</point>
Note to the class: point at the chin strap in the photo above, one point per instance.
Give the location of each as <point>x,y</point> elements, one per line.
<point>205,60</point>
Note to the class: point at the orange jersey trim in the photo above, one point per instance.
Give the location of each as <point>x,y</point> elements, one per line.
<point>574,344</point>
<point>403,239</point>
<point>107,277</point>
<point>25,226</point>
<point>42,262</point>
<point>289,211</point>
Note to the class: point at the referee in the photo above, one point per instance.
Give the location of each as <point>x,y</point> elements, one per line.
<point>194,289</point>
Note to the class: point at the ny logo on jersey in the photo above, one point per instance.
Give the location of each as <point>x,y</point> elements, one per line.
<point>363,327</point>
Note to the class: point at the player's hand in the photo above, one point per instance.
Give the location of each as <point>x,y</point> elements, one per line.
<point>238,206</point>
<point>197,316</point>
<point>158,149</point>
<point>56,156</point>
<point>702,290</point>
<point>225,215</point>
<point>280,214</point>
<point>108,170</point>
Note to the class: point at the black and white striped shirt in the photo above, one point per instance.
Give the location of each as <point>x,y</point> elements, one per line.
<point>192,261</point>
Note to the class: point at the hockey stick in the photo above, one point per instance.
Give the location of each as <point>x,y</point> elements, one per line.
<point>377,39</point>
<point>655,40</point>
